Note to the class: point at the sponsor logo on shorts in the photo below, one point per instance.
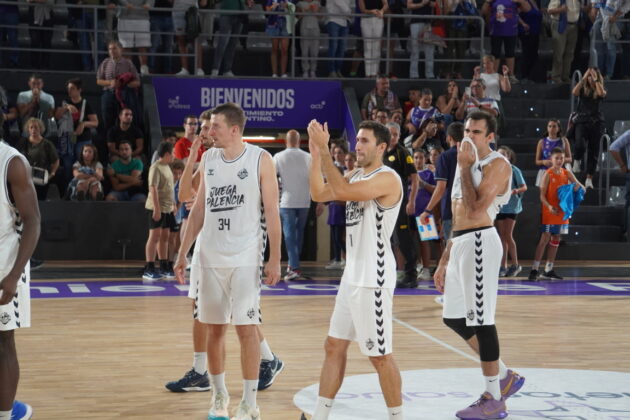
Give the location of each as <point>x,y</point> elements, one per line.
<point>242,174</point>
<point>5,318</point>
<point>251,313</point>
<point>471,314</point>
<point>369,344</point>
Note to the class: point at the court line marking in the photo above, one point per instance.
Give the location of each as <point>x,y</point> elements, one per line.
<point>436,340</point>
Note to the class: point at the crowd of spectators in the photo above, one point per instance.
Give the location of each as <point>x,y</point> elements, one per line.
<point>140,28</point>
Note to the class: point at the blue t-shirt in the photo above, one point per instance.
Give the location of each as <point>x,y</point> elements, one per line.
<point>515,205</point>
<point>445,171</point>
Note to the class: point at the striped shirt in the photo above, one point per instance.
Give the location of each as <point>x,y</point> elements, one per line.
<point>110,69</point>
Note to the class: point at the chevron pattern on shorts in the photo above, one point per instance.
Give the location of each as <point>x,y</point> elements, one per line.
<point>380,280</point>
<point>478,278</point>
<point>16,310</point>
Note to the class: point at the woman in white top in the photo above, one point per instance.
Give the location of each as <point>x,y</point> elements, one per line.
<point>495,82</point>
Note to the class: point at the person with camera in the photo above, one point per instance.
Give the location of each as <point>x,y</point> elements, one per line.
<point>476,101</point>
<point>41,155</point>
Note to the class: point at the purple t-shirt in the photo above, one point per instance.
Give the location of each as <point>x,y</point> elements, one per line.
<point>423,197</point>
<point>547,147</point>
<point>504,18</point>
<point>418,115</point>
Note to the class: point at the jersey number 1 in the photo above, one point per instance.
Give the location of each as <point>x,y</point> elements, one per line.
<point>224,224</point>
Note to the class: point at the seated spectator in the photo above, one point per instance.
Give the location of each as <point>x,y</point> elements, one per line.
<point>35,103</point>
<point>10,115</point>
<point>432,134</point>
<point>134,28</point>
<point>495,82</point>
<point>125,175</point>
<point>478,101</point>
<point>88,175</point>
<point>381,97</point>
<point>279,33</point>
<point>337,27</point>
<point>448,102</point>
<point>382,116</point>
<point>420,113</point>
<point>119,79</point>
<point>76,119</point>
<point>182,147</point>
<point>125,131</point>
<point>412,101</point>
<point>309,29</point>
<point>41,154</point>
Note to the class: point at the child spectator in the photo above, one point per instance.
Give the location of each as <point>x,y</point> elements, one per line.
<point>553,223</point>
<point>337,217</point>
<point>350,161</point>
<point>309,30</point>
<point>506,219</point>
<point>553,138</point>
<point>125,174</point>
<point>88,175</point>
<point>426,186</point>
<point>177,168</point>
<point>160,205</point>
<point>168,136</point>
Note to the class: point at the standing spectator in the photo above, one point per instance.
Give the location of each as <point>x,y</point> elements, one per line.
<point>504,27</point>
<point>160,205</point>
<point>292,166</point>
<point>337,26</point>
<point>372,31</point>
<point>529,26</point>
<point>564,32</point>
<point>9,16</point>
<point>9,112</point>
<point>399,159</point>
<point>179,22</point>
<point>35,103</point>
<point>552,139</point>
<point>134,28</point>
<point>506,218</point>
<point>426,186</point>
<point>125,131</point>
<point>125,174</point>
<point>88,175</point>
<point>448,102</point>
<point>397,29</point>
<point>183,144</point>
<point>337,218</point>
<point>478,101</point>
<point>41,154</point>
<point>162,29</point>
<point>40,21</point>
<point>589,120</point>
<point>278,30</point>
<point>459,28</point>
<point>381,97</point>
<point>420,30</point>
<point>119,78</point>
<point>168,136</point>
<point>309,30</point>
<point>604,54</point>
<point>553,222</point>
<point>622,144</point>
<point>230,28</point>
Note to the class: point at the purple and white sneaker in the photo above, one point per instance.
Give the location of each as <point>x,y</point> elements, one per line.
<point>484,408</point>
<point>511,384</point>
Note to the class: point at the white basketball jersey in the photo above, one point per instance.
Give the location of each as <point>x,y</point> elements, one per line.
<point>10,222</point>
<point>477,175</point>
<point>370,261</point>
<point>234,231</point>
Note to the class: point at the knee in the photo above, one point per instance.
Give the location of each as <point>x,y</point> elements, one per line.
<point>247,332</point>
<point>488,342</point>
<point>380,361</point>
<point>7,343</point>
<point>334,346</point>
<point>459,326</point>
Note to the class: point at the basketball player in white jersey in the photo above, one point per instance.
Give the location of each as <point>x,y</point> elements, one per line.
<point>468,273</point>
<point>363,308</point>
<point>19,232</point>
<point>235,208</point>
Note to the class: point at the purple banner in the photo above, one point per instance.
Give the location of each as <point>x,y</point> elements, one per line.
<point>59,289</point>
<point>272,104</point>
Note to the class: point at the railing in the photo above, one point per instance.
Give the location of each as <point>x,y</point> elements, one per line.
<point>604,168</point>
<point>96,34</point>
<point>596,38</point>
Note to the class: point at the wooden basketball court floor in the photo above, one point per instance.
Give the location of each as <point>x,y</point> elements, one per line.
<point>102,345</point>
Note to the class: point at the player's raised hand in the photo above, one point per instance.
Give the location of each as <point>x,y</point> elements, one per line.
<point>318,133</point>
<point>272,273</point>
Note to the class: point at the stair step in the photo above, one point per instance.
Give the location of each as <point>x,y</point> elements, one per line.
<point>608,251</point>
<point>593,233</point>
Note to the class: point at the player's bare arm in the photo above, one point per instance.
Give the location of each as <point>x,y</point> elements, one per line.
<point>270,198</point>
<point>544,185</point>
<point>25,199</point>
<point>440,273</point>
<point>186,182</point>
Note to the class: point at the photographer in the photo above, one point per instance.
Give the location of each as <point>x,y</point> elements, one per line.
<point>432,134</point>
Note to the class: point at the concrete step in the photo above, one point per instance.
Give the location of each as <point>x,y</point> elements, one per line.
<point>593,233</point>
<point>585,251</point>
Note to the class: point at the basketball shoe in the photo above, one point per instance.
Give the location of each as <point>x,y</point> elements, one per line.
<point>21,411</point>
<point>192,381</point>
<point>484,408</point>
<point>511,384</point>
<point>245,412</point>
<point>269,369</point>
<point>219,407</point>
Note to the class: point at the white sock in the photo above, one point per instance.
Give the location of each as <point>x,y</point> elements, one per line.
<point>322,409</point>
<point>265,351</point>
<point>5,415</point>
<point>250,387</point>
<point>218,383</point>
<point>502,370</point>
<point>395,413</point>
<point>535,265</point>
<point>200,360</point>
<point>548,266</point>
<point>493,387</point>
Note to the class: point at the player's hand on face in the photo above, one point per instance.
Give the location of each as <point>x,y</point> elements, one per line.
<point>465,155</point>
<point>180,269</point>
<point>195,146</point>
<point>272,273</point>
<point>439,277</point>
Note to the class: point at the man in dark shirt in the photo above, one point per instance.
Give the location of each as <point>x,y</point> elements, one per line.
<point>125,131</point>
<point>444,175</point>
<point>399,159</point>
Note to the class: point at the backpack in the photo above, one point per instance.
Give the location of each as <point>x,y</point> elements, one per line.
<point>193,23</point>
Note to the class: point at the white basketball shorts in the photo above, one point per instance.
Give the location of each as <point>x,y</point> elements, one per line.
<point>17,313</point>
<point>472,277</point>
<point>364,315</point>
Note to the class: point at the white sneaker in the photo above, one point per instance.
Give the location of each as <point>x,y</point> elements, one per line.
<point>305,75</point>
<point>284,76</point>
<point>588,183</point>
<point>333,265</point>
<point>182,72</point>
<point>313,75</point>
<point>214,72</point>
<point>425,275</point>
<point>439,300</point>
<point>576,166</point>
<point>144,70</point>
<point>245,412</point>
<point>228,73</point>
<point>274,75</point>
<point>219,407</point>
<point>200,72</point>
<point>342,263</point>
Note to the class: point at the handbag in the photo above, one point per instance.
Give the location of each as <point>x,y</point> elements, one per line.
<point>39,175</point>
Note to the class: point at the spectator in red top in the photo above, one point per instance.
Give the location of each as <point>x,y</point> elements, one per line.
<point>182,147</point>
